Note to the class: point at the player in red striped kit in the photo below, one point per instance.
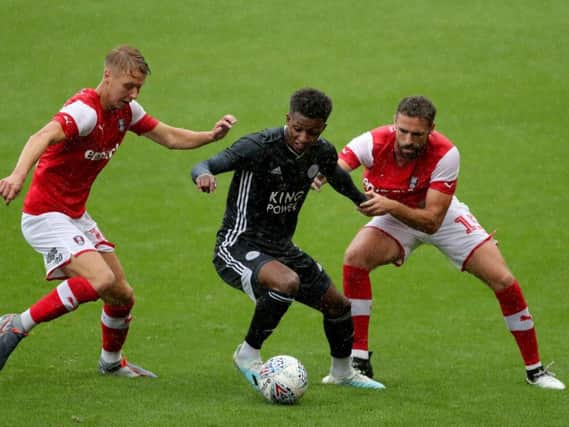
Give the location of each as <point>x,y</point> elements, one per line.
<point>72,149</point>
<point>410,177</point>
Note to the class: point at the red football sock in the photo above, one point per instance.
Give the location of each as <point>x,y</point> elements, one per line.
<point>66,297</point>
<point>519,322</point>
<point>115,321</point>
<point>357,288</point>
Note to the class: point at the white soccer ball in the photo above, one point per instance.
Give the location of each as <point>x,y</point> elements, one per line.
<point>283,379</point>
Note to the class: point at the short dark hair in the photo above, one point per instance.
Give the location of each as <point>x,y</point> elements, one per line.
<point>128,59</point>
<point>311,103</point>
<point>417,106</point>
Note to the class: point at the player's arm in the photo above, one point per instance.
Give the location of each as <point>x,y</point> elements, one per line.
<point>339,178</point>
<point>350,157</point>
<point>427,219</point>
<point>203,173</point>
<point>184,139</point>
<point>341,181</point>
<point>11,186</point>
<point>320,180</point>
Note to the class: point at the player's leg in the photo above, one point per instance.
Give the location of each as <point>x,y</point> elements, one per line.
<point>317,291</point>
<point>488,264</point>
<point>279,285</point>
<point>118,301</point>
<point>62,245</point>
<point>338,327</point>
<point>471,248</point>
<point>270,284</point>
<point>64,298</point>
<point>370,248</point>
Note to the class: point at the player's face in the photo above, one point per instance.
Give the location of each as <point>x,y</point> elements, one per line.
<point>412,135</point>
<point>122,87</point>
<point>302,132</point>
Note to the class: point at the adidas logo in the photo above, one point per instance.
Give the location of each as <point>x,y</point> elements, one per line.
<point>276,171</point>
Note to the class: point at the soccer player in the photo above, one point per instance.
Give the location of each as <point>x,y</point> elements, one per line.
<point>410,177</point>
<point>72,149</point>
<point>254,252</point>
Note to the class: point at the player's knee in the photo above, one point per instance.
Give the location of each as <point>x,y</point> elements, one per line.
<point>288,283</point>
<point>359,258</point>
<point>117,292</point>
<point>103,280</point>
<point>502,282</point>
<point>336,307</point>
<point>352,257</point>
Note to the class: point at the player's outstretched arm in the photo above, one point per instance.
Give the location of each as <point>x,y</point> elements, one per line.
<point>242,151</point>
<point>342,182</point>
<point>185,139</point>
<point>203,173</point>
<point>11,186</point>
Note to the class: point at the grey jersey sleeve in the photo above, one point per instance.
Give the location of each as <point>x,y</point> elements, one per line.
<point>240,153</point>
<point>339,179</point>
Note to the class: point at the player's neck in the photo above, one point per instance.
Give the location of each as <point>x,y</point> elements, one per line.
<point>103,98</point>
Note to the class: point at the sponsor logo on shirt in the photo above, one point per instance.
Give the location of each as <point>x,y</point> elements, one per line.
<point>281,202</point>
<point>100,155</point>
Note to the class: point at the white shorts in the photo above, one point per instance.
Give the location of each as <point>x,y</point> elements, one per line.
<point>58,237</point>
<point>458,237</point>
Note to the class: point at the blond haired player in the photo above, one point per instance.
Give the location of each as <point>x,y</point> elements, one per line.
<point>72,149</point>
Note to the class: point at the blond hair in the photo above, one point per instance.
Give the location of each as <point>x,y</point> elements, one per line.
<point>127,59</point>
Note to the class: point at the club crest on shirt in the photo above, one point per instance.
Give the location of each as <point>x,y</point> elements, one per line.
<point>413,182</point>
<point>121,125</point>
<point>312,171</point>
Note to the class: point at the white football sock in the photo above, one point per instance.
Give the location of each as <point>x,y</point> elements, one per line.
<point>341,367</point>
<point>247,352</point>
<point>111,356</point>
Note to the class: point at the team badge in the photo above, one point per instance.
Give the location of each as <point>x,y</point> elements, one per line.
<point>251,255</point>
<point>413,182</point>
<point>121,125</point>
<point>312,171</point>
<point>79,240</point>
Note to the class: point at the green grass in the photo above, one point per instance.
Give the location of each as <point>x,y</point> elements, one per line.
<point>497,72</point>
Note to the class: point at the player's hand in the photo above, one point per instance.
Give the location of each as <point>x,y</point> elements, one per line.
<point>206,183</point>
<point>318,182</point>
<point>10,188</point>
<point>223,126</point>
<point>375,205</point>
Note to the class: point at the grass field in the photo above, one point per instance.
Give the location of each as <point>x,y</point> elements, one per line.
<point>497,72</point>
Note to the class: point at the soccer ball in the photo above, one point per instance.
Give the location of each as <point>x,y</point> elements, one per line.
<point>283,379</point>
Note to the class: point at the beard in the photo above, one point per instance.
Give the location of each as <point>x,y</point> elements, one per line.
<point>411,151</point>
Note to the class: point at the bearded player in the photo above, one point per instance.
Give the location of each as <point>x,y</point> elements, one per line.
<point>410,176</point>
